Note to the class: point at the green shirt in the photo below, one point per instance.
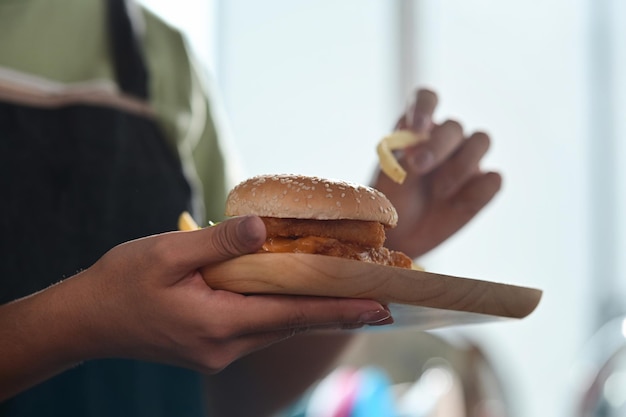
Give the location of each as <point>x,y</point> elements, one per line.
<point>64,43</point>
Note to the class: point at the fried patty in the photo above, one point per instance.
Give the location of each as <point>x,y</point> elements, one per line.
<point>350,239</point>
<point>333,247</point>
<point>362,233</point>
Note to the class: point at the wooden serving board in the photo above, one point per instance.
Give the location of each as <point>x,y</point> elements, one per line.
<point>423,299</point>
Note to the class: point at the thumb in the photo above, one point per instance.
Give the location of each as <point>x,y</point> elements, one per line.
<point>226,240</point>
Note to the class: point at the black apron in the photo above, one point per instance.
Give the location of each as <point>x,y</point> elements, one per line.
<point>76,180</point>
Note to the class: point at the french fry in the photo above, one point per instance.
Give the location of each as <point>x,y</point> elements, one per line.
<point>186,222</point>
<point>417,267</point>
<point>399,139</point>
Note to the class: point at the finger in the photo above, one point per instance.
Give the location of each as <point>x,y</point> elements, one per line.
<point>226,240</point>
<point>451,216</point>
<point>426,156</point>
<point>419,114</point>
<point>274,313</point>
<point>235,237</point>
<point>386,321</point>
<point>232,349</point>
<point>460,167</point>
<point>422,112</point>
<point>419,118</point>
<point>476,193</point>
<point>252,342</point>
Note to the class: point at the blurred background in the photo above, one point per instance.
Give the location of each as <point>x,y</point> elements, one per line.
<point>311,86</point>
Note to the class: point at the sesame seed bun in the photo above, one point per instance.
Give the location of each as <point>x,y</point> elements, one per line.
<point>302,197</point>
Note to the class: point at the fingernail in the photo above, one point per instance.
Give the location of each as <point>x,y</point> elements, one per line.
<point>251,230</point>
<point>422,161</point>
<point>383,322</point>
<point>376,316</point>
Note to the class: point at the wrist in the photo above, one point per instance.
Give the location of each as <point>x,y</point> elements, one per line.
<point>42,335</point>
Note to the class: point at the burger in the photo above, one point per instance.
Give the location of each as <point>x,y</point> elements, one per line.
<point>313,215</point>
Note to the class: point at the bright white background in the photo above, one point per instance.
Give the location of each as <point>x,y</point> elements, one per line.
<point>310,86</point>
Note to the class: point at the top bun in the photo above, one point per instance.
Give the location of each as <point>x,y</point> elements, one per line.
<point>302,197</point>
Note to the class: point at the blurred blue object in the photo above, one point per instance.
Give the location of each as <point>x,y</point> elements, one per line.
<point>352,392</point>
<point>374,396</point>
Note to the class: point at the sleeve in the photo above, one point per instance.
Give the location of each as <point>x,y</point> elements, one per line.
<point>210,166</point>
<point>212,157</point>
<point>189,112</point>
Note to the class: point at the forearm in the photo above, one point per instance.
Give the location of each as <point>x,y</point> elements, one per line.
<point>265,381</point>
<point>41,336</point>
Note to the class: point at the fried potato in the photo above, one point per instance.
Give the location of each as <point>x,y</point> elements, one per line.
<point>400,139</point>
<point>186,222</point>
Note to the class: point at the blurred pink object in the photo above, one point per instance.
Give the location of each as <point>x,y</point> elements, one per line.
<point>335,394</point>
